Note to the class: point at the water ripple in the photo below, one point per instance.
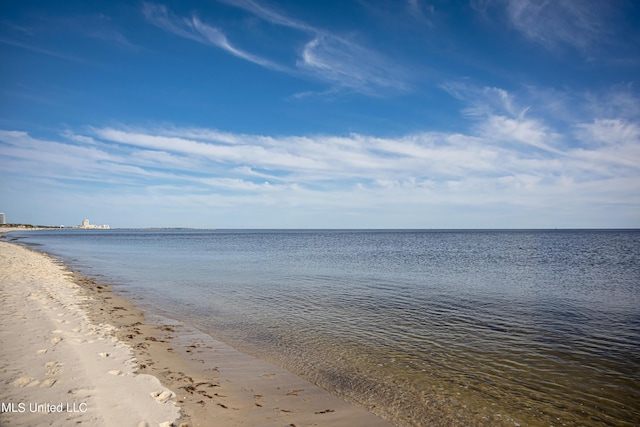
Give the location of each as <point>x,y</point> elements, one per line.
<point>429,328</point>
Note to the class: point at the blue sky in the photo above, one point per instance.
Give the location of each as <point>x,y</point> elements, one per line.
<point>328,114</point>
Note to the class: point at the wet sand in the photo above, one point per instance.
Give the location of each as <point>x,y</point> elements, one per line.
<point>69,339</point>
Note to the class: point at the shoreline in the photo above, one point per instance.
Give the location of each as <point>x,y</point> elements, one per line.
<point>60,367</point>
<point>208,379</point>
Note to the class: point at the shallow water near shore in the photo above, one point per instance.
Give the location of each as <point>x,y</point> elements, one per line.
<point>424,327</point>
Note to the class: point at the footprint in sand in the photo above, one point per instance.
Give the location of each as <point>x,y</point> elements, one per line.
<point>25,382</point>
<point>258,400</point>
<point>162,397</point>
<point>103,354</point>
<point>41,352</point>
<point>116,372</point>
<point>47,383</point>
<point>56,340</point>
<point>53,367</point>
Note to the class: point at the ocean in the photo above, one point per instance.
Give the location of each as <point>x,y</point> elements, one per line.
<point>429,328</point>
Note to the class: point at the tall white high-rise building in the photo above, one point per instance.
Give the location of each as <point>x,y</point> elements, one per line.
<point>85,224</point>
<point>3,219</point>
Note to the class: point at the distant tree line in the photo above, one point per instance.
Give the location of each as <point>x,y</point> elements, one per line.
<point>27,226</point>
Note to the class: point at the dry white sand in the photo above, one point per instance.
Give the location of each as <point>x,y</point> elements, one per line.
<point>58,346</point>
<point>57,368</point>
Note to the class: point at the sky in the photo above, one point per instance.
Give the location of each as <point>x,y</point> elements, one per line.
<point>321,114</point>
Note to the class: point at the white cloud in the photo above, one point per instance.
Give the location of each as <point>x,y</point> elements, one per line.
<point>618,102</point>
<point>523,131</point>
<point>348,64</point>
<point>78,138</point>
<point>499,116</point>
<point>252,152</point>
<point>553,24</point>
<point>326,56</point>
<point>485,100</point>
<point>194,29</point>
<point>612,145</point>
<point>517,164</point>
<point>270,15</point>
<point>611,132</point>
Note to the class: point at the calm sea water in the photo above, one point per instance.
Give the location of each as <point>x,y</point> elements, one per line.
<point>427,327</point>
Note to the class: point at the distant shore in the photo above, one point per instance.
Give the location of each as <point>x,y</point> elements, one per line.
<point>5,228</point>
<point>86,345</point>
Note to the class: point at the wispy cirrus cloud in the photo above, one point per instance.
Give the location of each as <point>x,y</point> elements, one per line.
<point>483,100</point>
<point>326,56</point>
<point>499,116</point>
<point>194,29</point>
<point>334,58</point>
<point>348,64</point>
<point>270,15</point>
<point>560,23</point>
<point>49,52</point>
<point>112,36</point>
<point>43,36</point>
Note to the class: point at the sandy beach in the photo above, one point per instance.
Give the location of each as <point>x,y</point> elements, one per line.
<point>73,352</point>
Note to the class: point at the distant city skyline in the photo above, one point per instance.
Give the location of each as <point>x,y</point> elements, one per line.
<point>85,223</point>
<point>336,114</point>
